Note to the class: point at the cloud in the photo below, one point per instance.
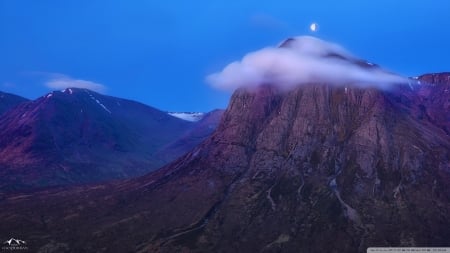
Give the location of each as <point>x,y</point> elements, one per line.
<point>60,81</point>
<point>299,61</point>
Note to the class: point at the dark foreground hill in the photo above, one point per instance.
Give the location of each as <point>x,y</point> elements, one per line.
<point>316,169</point>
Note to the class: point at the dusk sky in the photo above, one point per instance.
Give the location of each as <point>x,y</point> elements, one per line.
<point>160,52</point>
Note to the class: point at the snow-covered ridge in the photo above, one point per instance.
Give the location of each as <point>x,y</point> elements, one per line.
<point>50,94</point>
<point>188,116</point>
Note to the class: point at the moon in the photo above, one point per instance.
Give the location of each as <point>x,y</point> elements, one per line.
<point>314,27</point>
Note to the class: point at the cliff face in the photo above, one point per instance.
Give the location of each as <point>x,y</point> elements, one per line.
<point>433,99</point>
<point>322,162</point>
<point>315,169</point>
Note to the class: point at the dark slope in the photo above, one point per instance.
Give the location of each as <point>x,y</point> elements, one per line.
<point>318,169</point>
<point>8,101</point>
<point>193,137</point>
<point>79,136</point>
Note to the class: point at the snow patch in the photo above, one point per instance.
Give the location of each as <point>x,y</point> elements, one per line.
<point>67,90</point>
<point>188,116</point>
<point>99,103</point>
<point>102,105</point>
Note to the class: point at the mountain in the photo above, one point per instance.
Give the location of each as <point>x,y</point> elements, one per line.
<point>8,101</point>
<point>202,129</point>
<point>79,136</point>
<point>316,169</point>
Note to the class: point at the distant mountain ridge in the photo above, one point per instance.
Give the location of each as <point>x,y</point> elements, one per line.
<point>8,101</point>
<point>78,136</point>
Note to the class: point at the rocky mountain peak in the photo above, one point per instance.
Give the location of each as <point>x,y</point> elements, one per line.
<point>436,78</point>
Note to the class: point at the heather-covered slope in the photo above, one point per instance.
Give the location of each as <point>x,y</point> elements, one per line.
<point>79,136</point>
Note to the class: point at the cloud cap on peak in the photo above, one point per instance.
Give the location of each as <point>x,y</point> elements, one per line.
<point>302,60</point>
<point>60,81</point>
<point>309,45</point>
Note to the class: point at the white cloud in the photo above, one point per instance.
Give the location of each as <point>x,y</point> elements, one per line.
<point>60,81</point>
<point>299,61</point>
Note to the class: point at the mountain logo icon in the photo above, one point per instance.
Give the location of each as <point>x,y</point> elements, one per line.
<point>14,242</point>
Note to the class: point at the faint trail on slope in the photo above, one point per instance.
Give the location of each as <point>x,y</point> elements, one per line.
<point>269,197</point>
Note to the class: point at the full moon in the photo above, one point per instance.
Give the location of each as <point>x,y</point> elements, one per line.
<point>314,27</point>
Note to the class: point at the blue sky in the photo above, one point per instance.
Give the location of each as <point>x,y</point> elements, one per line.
<point>159,52</point>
